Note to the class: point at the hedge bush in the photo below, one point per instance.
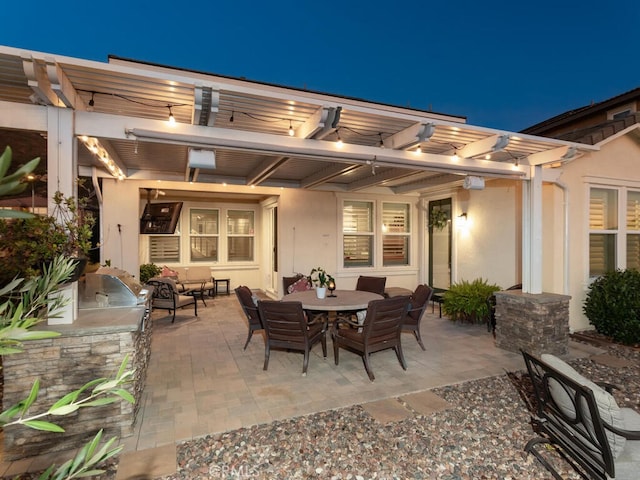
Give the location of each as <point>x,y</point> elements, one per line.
<point>613,305</point>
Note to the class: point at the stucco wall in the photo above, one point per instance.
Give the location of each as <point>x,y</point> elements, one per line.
<point>490,245</point>
<point>309,234</point>
<point>615,164</point>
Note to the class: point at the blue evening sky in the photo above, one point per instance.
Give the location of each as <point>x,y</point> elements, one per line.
<point>502,64</point>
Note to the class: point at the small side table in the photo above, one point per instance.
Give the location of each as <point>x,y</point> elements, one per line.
<point>226,282</point>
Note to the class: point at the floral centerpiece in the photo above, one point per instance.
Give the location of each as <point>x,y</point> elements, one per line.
<point>319,277</point>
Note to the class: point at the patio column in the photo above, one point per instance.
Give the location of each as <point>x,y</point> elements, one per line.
<point>532,232</point>
<point>62,171</point>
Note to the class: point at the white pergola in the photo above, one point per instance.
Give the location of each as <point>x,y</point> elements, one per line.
<point>260,135</point>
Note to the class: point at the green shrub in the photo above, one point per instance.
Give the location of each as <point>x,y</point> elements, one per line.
<point>613,305</point>
<point>149,270</point>
<point>467,301</point>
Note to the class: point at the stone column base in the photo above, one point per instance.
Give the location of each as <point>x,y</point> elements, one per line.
<point>536,323</point>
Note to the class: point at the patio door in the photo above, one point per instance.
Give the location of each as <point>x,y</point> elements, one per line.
<point>439,221</point>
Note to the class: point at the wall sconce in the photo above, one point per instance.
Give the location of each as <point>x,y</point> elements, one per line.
<point>461,221</point>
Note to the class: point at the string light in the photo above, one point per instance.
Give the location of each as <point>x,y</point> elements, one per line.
<point>291,132</point>
<point>231,117</point>
<point>381,140</point>
<point>455,155</point>
<point>91,102</point>
<point>339,141</point>
<point>172,119</point>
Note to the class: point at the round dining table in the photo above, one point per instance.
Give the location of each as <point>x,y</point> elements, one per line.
<point>341,301</point>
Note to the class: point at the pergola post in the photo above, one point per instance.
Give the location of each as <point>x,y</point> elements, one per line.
<point>61,175</point>
<point>532,232</point>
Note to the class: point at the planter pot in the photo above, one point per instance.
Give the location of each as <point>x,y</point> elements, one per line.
<point>321,292</point>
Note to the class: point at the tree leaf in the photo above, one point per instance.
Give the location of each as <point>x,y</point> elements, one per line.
<point>64,409</point>
<point>42,425</point>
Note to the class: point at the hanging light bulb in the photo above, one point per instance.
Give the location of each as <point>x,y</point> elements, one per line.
<point>91,102</point>
<point>455,155</point>
<point>231,117</point>
<point>291,132</point>
<point>381,141</point>
<point>172,119</point>
<point>339,142</point>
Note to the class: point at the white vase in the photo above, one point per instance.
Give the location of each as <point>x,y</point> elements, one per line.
<point>321,292</point>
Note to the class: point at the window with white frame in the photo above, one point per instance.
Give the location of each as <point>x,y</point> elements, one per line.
<point>164,248</point>
<point>614,229</point>
<point>203,235</point>
<point>240,235</point>
<point>396,234</point>
<point>357,233</point>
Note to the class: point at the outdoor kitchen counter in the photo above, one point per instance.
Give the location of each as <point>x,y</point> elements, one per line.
<point>102,320</point>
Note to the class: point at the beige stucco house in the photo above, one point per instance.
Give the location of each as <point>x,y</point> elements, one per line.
<point>592,206</point>
<point>274,180</point>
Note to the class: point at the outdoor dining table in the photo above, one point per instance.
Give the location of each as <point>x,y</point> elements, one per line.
<point>344,300</point>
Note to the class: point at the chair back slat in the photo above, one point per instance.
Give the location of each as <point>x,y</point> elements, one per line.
<point>371,284</point>
<point>384,319</point>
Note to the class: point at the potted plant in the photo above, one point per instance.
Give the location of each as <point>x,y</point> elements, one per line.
<point>320,279</point>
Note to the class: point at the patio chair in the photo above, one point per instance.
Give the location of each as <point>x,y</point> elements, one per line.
<point>166,296</point>
<point>371,284</point>
<point>381,330</point>
<point>419,300</point>
<point>286,326</point>
<point>583,423</point>
<point>250,309</point>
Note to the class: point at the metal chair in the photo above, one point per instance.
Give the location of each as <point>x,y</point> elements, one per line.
<point>381,330</point>
<point>166,296</point>
<point>250,309</point>
<point>419,300</point>
<point>286,326</point>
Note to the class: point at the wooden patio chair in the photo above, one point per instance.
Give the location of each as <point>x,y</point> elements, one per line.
<point>286,326</point>
<point>250,309</point>
<point>381,330</point>
<point>419,300</point>
<point>371,284</point>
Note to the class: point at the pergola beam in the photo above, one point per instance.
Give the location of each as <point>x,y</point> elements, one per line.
<point>433,181</point>
<point>327,174</point>
<point>494,143</point>
<point>411,136</point>
<point>385,175</point>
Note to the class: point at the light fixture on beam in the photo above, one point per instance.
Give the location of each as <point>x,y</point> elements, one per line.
<point>94,146</point>
<point>202,159</point>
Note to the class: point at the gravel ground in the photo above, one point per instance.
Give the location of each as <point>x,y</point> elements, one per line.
<point>481,437</point>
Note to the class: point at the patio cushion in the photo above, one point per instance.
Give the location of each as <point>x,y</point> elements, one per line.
<point>607,406</point>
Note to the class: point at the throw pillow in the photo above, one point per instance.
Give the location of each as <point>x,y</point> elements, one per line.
<point>301,285</point>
